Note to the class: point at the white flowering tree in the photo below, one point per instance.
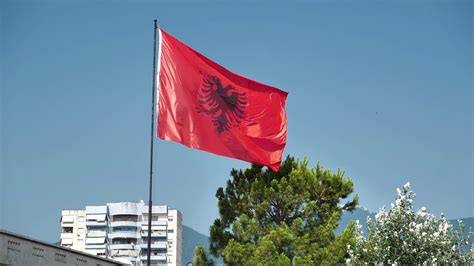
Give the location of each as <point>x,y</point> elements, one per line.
<point>405,237</point>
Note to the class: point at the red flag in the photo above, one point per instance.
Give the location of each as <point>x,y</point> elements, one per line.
<point>207,107</point>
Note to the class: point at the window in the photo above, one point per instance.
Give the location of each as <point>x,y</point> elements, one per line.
<point>60,257</point>
<point>67,229</point>
<point>153,217</point>
<point>124,241</point>
<point>96,231</point>
<point>38,252</point>
<point>171,231</point>
<point>161,238</point>
<point>127,218</point>
<point>13,245</point>
<point>96,217</point>
<point>124,229</point>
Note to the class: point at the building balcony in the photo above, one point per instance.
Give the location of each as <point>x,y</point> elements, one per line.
<point>123,234</point>
<point>125,253</point>
<point>123,246</point>
<point>132,259</point>
<point>96,223</point>
<point>158,222</point>
<point>96,252</point>
<point>154,257</point>
<point>66,241</point>
<point>67,235</point>
<point>96,246</point>
<point>155,245</point>
<point>155,210</point>
<point>96,233</point>
<point>153,234</point>
<point>67,224</point>
<point>124,223</point>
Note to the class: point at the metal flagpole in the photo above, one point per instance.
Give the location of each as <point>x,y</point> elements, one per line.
<point>150,203</point>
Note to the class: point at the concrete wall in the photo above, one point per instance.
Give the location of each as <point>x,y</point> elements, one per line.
<point>18,251</point>
<point>124,208</point>
<point>96,209</point>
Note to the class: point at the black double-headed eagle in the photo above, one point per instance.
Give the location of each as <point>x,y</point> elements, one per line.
<point>225,105</point>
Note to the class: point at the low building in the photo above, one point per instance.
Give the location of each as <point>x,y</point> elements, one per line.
<point>18,250</point>
<point>120,230</point>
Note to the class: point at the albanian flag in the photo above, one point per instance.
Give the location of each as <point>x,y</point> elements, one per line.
<point>207,107</point>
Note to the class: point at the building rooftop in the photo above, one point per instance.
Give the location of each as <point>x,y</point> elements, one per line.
<point>3,232</point>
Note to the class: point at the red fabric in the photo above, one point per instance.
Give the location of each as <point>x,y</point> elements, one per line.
<point>207,107</point>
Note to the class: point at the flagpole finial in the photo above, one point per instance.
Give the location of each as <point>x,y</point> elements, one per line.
<point>157,26</point>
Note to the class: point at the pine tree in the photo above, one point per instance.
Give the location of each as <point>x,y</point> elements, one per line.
<point>284,217</point>
<point>201,258</point>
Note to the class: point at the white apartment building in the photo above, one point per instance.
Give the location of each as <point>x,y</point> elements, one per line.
<point>120,231</point>
<point>97,226</point>
<point>73,229</point>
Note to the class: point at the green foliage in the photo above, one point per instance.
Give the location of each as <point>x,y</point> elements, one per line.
<point>274,218</point>
<point>201,258</point>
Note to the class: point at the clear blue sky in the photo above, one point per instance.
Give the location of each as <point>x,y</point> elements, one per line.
<point>380,89</point>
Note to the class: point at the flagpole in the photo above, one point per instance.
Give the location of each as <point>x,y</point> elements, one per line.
<point>150,203</point>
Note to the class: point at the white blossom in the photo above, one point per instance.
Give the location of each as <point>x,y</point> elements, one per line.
<point>426,239</point>
<point>407,186</point>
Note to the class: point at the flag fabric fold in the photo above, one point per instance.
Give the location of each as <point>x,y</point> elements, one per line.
<point>204,106</point>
